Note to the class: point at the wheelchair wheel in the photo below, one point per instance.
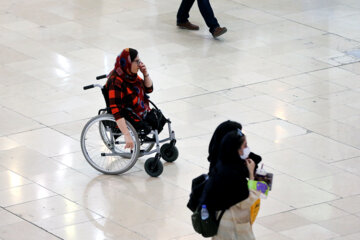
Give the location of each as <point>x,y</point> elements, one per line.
<point>153,167</point>
<point>168,153</point>
<point>103,145</point>
<point>104,129</point>
<point>144,147</point>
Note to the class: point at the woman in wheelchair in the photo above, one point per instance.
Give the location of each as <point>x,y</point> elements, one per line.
<point>127,122</point>
<point>127,93</point>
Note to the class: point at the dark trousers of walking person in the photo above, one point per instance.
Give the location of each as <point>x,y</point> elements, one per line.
<point>205,9</point>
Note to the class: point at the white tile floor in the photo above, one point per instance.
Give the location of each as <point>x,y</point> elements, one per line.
<point>288,70</point>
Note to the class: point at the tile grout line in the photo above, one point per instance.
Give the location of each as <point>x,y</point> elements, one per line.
<point>306,25</point>
<point>31,223</point>
<point>250,84</point>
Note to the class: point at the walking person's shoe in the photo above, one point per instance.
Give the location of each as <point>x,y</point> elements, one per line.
<point>219,31</point>
<point>188,25</point>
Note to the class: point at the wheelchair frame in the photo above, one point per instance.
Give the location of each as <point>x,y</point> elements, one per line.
<point>155,140</point>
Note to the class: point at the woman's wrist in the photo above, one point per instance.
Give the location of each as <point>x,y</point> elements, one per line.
<point>251,176</point>
<point>146,75</point>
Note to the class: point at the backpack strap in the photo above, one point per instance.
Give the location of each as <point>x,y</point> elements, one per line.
<point>220,216</point>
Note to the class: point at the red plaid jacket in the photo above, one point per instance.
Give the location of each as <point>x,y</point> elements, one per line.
<point>125,97</point>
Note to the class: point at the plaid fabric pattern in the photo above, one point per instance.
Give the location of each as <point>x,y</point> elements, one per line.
<point>125,97</point>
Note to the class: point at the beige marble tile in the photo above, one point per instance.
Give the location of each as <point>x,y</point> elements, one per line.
<point>276,129</point>
<point>299,165</point>
<point>191,237</point>
<point>206,100</point>
<point>9,179</point>
<point>355,68</point>
<point>339,131</point>
<point>343,225</point>
<point>302,80</point>
<point>171,228</point>
<point>271,206</point>
<point>10,55</point>
<point>177,209</point>
<point>239,93</point>
<point>153,191</point>
<point>337,75</point>
<point>253,15</point>
<point>47,141</point>
<point>273,236</point>
<point>349,237</point>
<point>287,70</point>
<point>6,143</point>
<point>25,230</point>
<point>350,165</point>
<point>27,162</point>
<point>12,122</point>
<point>73,160</point>
<point>351,121</point>
<point>67,219</point>
<point>327,149</point>
<point>323,88</point>
<point>296,193</point>
<point>8,218</point>
<point>45,208</point>
<point>320,212</point>
<point>54,118</point>
<point>342,184</point>
<point>22,194</point>
<point>54,180</point>
<point>260,230</point>
<point>120,207</point>
<point>348,204</point>
<point>282,221</point>
<point>248,117</point>
<point>328,109</point>
<point>309,231</point>
<point>100,228</point>
<point>294,95</point>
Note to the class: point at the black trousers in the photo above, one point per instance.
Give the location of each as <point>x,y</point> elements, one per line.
<point>205,9</point>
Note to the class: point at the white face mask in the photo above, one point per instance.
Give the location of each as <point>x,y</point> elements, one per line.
<point>246,153</point>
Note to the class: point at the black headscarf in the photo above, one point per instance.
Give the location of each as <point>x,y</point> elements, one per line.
<point>218,136</point>
<point>227,184</point>
<point>216,139</point>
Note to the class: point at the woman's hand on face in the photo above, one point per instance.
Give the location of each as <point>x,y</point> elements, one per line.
<point>143,68</point>
<point>251,167</point>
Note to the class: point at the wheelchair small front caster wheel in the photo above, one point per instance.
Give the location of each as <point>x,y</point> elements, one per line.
<point>169,153</point>
<point>153,167</point>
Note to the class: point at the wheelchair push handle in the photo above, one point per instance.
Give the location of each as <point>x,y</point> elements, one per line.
<point>92,86</point>
<point>88,87</point>
<point>101,77</point>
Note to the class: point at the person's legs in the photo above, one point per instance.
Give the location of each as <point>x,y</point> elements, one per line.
<point>183,12</point>
<point>142,127</point>
<point>208,14</point>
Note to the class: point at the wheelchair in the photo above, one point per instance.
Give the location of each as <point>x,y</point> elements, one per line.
<point>103,144</point>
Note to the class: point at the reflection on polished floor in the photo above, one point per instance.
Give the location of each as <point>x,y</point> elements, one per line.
<point>289,71</point>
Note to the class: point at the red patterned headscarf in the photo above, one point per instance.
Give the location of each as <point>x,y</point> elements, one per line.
<point>123,65</point>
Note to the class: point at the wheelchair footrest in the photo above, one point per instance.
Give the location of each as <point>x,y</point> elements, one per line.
<point>148,140</point>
